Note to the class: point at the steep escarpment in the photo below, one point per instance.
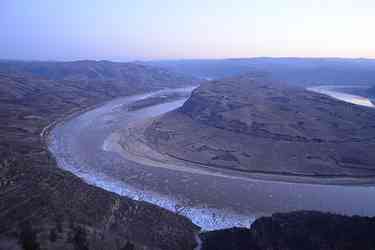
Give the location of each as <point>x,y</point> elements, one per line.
<point>295,231</point>
<point>45,207</point>
<point>256,125</point>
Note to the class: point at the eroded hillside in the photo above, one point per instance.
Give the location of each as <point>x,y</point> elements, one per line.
<point>45,207</point>
<point>256,125</point>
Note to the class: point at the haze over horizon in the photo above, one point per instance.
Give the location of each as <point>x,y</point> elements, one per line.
<point>146,30</point>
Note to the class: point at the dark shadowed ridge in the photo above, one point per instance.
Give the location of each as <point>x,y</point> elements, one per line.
<point>305,230</point>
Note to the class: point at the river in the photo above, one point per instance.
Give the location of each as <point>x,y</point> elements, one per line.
<point>345,93</point>
<point>210,201</point>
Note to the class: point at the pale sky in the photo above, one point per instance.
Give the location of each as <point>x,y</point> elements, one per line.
<point>165,29</point>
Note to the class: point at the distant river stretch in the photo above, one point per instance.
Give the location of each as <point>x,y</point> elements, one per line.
<point>344,93</point>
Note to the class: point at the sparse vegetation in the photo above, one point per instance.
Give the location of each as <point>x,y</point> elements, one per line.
<point>227,120</point>
<point>44,207</point>
<point>33,188</point>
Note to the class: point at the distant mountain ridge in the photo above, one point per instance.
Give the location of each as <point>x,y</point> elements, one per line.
<point>298,71</point>
<point>372,92</point>
<point>88,70</point>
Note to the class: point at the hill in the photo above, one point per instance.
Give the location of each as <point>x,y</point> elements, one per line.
<point>254,125</point>
<point>45,207</point>
<point>92,71</point>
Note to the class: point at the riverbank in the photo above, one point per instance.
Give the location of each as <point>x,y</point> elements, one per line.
<point>93,173</point>
<point>131,143</point>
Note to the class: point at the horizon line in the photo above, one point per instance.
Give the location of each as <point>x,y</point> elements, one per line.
<point>191,59</point>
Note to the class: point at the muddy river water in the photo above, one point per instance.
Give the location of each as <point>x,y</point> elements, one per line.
<point>210,201</point>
